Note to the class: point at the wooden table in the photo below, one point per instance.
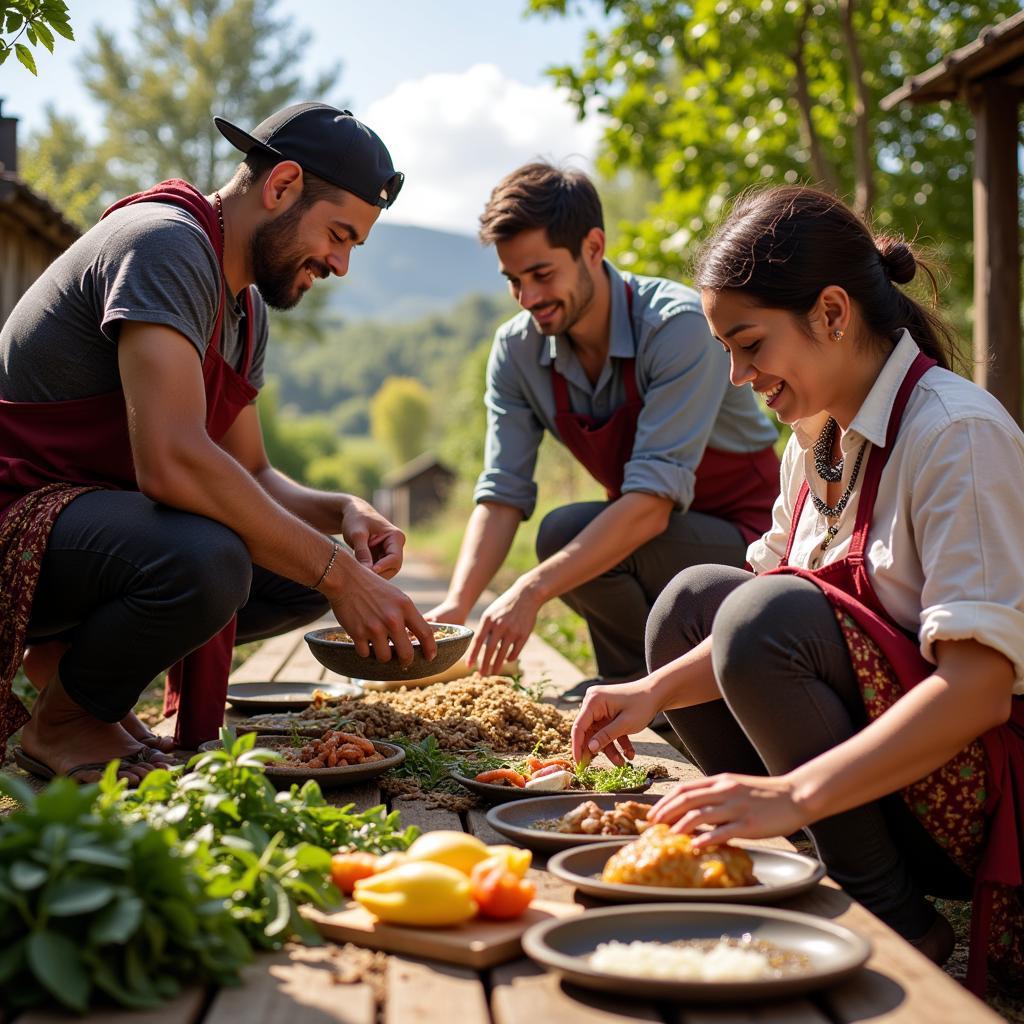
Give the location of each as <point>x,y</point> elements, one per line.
<point>298,986</point>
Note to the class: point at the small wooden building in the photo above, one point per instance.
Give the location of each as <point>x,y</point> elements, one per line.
<point>33,233</point>
<point>988,74</point>
<point>411,494</point>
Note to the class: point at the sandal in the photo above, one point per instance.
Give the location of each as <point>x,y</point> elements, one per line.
<point>43,771</point>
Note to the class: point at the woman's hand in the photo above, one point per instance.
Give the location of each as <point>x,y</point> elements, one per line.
<point>738,806</point>
<point>608,715</point>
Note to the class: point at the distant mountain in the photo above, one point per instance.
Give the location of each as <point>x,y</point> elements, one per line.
<point>404,273</point>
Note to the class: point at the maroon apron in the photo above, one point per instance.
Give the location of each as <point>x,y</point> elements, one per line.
<point>63,448</point>
<point>973,806</point>
<point>740,487</point>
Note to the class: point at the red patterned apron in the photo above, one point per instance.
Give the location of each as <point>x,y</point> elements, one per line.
<point>51,452</point>
<point>740,487</point>
<point>972,806</point>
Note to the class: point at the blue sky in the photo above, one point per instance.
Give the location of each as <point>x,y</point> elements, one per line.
<point>455,87</point>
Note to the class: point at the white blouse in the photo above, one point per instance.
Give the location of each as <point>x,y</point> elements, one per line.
<point>944,551</point>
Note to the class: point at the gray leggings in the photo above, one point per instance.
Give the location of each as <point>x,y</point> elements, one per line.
<point>616,603</point>
<point>790,693</point>
<point>134,586</point>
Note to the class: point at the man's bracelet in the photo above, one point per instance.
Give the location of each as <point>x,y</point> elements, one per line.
<point>330,563</point>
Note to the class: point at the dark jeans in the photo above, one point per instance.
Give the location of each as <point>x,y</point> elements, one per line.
<point>133,586</point>
<point>616,603</point>
<point>790,693</point>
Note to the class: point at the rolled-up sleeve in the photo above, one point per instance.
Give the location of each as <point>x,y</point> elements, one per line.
<point>965,507</point>
<point>514,434</point>
<point>686,373</point>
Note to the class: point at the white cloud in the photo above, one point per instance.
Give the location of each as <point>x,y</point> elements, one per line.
<point>456,135</point>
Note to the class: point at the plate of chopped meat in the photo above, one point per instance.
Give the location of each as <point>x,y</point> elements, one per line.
<point>661,865</point>
<point>334,759</point>
<point>548,824</point>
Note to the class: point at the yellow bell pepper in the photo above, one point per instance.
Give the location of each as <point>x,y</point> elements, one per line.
<point>512,858</point>
<point>454,849</point>
<point>418,893</point>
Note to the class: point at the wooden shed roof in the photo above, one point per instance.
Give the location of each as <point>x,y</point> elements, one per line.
<point>37,215</point>
<point>998,51</point>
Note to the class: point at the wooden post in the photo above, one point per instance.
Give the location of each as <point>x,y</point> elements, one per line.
<point>997,331</point>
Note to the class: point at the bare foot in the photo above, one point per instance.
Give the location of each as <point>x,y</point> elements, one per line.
<point>40,664</point>
<point>63,736</point>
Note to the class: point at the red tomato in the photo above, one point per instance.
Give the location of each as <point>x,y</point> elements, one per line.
<point>348,868</point>
<point>501,894</point>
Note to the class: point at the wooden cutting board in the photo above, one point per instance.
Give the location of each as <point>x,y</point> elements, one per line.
<point>476,943</point>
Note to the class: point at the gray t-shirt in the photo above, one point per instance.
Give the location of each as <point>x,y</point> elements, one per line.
<point>149,262</point>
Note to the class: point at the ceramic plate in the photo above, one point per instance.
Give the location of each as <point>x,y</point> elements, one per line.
<point>327,778</point>
<point>564,946</point>
<point>492,794</point>
<point>284,696</point>
<point>513,819</point>
<point>782,873</point>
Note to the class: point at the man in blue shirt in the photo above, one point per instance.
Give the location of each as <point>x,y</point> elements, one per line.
<point>624,371</point>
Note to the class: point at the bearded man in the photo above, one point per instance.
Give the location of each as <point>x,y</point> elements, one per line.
<point>143,526</point>
<point>624,371</point>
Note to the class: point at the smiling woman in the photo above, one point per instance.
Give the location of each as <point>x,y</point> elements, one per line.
<point>873,662</point>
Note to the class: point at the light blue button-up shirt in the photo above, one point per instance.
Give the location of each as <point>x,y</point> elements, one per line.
<point>682,374</point>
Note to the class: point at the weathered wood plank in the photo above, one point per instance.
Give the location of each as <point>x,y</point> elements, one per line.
<point>265,664</point>
<point>898,984</point>
<point>428,819</point>
<point>295,986</point>
<point>521,993</point>
<point>433,993</point>
<point>363,795</point>
<point>185,1008</point>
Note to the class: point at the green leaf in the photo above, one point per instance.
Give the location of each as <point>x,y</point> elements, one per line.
<point>26,876</point>
<point>26,58</point>
<point>118,922</point>
<point>99,857</point>
<point>14,21</point>
<point>55,962</point>
<point>77,896</point>
<point>282,908</point>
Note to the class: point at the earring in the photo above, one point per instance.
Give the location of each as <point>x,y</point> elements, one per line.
<point>838,334</point>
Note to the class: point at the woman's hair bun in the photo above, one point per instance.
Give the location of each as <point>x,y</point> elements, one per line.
<point>897,258</point>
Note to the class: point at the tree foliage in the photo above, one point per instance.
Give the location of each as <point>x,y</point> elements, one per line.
<point>710,97</point>
<point>186,60</point>
<point>400,417</point>
<point>34,21</point>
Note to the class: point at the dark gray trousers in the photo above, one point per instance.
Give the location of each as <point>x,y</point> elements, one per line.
<point>616,603</point>
<point>134,586</point>
<point>790,693</point>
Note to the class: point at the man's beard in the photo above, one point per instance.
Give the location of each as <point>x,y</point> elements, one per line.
<point>578,300</point>
<point>277,260</point>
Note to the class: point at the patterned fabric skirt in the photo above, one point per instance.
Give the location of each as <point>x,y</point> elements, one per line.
<point>949,803</point>
<point>24,533</point>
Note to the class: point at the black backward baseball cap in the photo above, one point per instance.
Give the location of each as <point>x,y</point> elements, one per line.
<point>327,142</point>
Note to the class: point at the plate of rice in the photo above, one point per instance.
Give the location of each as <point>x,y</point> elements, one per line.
<point>700,952</point>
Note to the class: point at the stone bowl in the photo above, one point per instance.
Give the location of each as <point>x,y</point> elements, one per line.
<point>335,651</point>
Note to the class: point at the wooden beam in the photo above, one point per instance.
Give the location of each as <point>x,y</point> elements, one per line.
<point>997,332</point>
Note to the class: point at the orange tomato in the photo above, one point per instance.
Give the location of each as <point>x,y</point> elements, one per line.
<point>348,868</point>
<point>501,894</point>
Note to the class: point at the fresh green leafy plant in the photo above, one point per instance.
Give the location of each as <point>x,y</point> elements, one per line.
<point>36,21</point>
<point>125,893</point>
<point>93,905</point>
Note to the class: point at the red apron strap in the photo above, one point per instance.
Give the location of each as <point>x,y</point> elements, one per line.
<point>877,459</point>
<point>873,473</point>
